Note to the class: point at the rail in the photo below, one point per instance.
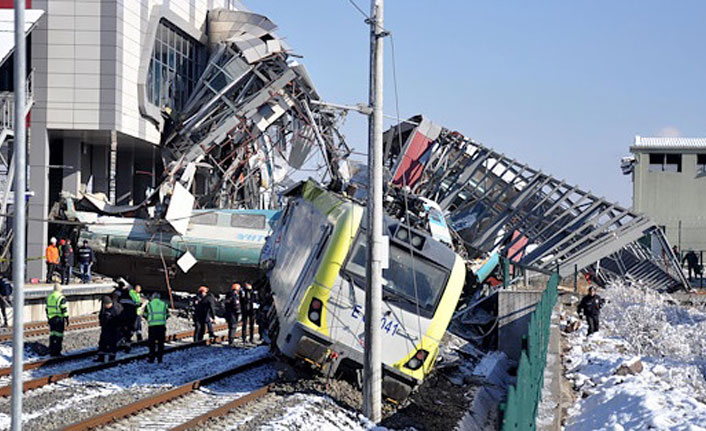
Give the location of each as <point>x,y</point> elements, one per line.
<point>53,378</point>
<point>164,397</point>
<point>520,409</point>
<point>39,329</point>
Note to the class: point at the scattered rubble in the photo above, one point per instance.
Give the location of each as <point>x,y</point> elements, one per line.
<point>634,367</point>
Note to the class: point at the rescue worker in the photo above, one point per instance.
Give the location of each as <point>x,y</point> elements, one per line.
<point>590,306</point>
<point>232,311</point>
<point>5,295</point>
<point>128,314</point>
<point>67,262</point>
<point>247,308</point>
<point>156,313</point>
<point>137,297</point>
<point>51,254</point>
<point>58,316</point>
<point>110,330</point>
<point>261,309</point>
<point>86,257</point>
<point>204,313</point>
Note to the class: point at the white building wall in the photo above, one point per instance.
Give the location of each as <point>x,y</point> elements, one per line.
<point>89,54</point>
<point>89,57</point>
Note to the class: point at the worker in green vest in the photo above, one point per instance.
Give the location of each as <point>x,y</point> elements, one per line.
<point>156,314</point>
<point>58,316</point>
<point>136,295</point>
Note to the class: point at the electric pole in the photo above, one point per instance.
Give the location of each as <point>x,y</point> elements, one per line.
<point>372,387</point>
<point>18,245</point>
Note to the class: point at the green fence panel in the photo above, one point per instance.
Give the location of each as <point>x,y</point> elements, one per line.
<point>520,410</point>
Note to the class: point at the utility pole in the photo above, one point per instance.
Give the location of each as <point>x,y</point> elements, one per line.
<point>18,245</point>
<point>372,387</point>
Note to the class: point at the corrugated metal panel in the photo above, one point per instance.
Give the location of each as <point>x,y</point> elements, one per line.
<point>669,143</point>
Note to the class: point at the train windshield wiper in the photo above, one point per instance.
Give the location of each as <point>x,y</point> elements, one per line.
<point>397,298</point>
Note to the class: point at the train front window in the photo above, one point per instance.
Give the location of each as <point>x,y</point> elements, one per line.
<point>404,272</point>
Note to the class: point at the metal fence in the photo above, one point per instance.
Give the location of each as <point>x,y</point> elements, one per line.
<point>520,410</point>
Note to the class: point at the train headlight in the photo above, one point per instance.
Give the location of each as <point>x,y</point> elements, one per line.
<point>315,311</point>
<point>417,360</point>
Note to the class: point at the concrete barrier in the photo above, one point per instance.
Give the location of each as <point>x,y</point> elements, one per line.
<point>514,310</point>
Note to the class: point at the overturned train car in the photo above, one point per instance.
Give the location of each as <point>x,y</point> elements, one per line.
<point>316,259</point>
<point>218,248</point>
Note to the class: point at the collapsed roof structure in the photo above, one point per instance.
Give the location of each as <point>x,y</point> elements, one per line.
<point>249,124</point>
<point>491,199</point>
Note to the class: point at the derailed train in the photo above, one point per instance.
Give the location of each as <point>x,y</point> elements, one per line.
<point>316,260</point>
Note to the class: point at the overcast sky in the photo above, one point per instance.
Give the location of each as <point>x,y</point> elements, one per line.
<point>562,85</point>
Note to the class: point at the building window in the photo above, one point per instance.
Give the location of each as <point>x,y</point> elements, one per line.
<point>176,65</point>
<point>701,163</point>
<point>661,162</point>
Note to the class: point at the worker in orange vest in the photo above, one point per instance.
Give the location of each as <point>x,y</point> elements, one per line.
<point>52,258</point>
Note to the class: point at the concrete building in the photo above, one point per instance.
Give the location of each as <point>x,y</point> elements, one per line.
<point>669,185</point>
<point>103,71</point>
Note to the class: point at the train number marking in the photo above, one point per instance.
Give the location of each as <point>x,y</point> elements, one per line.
<point>388,325</point>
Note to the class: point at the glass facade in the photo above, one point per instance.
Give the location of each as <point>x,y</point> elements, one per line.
<point>176,64</point>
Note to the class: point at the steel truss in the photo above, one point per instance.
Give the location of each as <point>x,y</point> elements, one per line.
<point>249,124</point>
<point>494,201</point>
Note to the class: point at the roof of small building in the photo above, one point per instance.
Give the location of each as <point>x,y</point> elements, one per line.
<point>668,143</point>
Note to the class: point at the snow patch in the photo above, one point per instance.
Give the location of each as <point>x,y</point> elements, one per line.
<point>670,391</point>
<point>317,413</point>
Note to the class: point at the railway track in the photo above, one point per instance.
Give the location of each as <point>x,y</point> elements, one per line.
<point>37,329</point>
<point>188,405</point>
<point>6,371</point>
<point>86,369</point>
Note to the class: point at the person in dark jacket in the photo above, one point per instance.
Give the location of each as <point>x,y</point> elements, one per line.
<point>67,262</point>
<point>247,308</point>
<point>5,295</point>
<point>128,315</point>
<point>232,311</point>
<point>692,262</point>
<point>86,257</point>
<point>204,313</point>
<point>590,306</point>
<point>110,330</point>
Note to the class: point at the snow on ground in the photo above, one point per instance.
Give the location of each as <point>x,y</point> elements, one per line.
<point>670,391</point>
<point>84,395</point>
<point>6,354</point>
<point>317,413</point>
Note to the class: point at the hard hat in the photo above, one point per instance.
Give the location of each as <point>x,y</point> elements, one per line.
<point>203,289</point>
<point>235,286</point>
<point>62,242</point>
<point>52,240</point>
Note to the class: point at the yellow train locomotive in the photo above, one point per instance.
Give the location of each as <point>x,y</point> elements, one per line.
<point>316,258</point>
